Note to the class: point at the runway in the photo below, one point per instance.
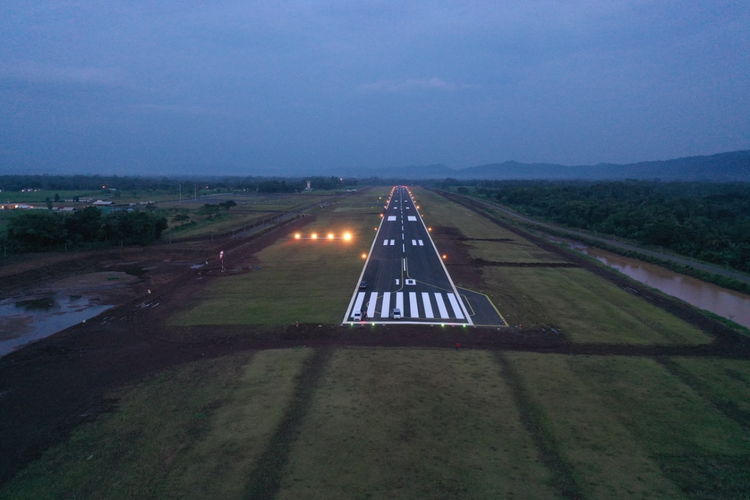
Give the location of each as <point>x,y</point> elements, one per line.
<point>404,271</point>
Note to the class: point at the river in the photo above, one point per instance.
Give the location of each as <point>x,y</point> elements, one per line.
<point>726,303</point>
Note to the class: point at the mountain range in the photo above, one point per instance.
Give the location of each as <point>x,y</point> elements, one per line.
<point>723,167</point>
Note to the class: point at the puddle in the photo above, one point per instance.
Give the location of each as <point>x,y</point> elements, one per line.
<point>33,318</point>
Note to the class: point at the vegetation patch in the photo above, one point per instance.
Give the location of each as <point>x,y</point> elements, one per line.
<point>302,280</point>
<point>584,308</point>
<point>408,423</point>
<point>194,431</point>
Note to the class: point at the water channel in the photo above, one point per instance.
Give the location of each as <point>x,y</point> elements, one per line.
<point>726,303</point>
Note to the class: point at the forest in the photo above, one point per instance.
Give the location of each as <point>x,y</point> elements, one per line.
<point>43,230</point>
<point>705,221</point>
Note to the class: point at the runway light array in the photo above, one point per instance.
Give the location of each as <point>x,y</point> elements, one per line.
<point>347,236</point>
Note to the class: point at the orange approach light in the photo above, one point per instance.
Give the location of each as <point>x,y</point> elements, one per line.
<point>347,236</point>
<point>445,256</point>
<point>364,255</point>
<point>297,236</point>
<point>330,236</point>
<point>314,236</point>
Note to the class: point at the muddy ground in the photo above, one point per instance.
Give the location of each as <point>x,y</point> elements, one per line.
<point>49,387</point>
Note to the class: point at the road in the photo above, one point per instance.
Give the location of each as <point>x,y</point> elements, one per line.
<point>405,271</point>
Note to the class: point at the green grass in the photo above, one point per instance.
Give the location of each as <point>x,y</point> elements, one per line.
<point>584,307</point>
<point>727,381</point>
<point>300,280</point>
<point>409,423</point>
<point>195,431</point>
<point>632,429</point>
<point>607,457</point>
<point>205,226</point>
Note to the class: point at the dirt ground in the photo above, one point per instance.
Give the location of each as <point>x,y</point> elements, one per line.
<point>49,387</point>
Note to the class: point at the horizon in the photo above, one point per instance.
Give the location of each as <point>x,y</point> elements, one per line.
<point>298,88</point>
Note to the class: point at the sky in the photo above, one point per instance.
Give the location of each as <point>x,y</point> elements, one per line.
<point>150,87</point>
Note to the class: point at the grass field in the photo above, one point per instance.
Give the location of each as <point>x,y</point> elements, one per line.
<point>413,424</point>
<point>584,307</point>
<point>191,432</point>
<point>310,281</point>
<point>376,422</point>
<point>410,423</point>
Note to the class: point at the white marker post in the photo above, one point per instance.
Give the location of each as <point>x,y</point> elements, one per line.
<point>221,258</point>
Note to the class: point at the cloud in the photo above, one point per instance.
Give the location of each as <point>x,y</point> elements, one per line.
<point>411,84</point>
<point>33,72</point>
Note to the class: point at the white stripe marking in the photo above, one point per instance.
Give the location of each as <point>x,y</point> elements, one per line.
<point>413,243</point>
<point>385,243</point>
<point>421,243</point>
<point>386,305</point>
<point>403,248</point>
<point>371,305</point>
<point>393,242</point>
<point>413,305</point>
<point>455,306</point>
<point>358,302</point>
<point>441,306</point>
<point>400,301</point>
<point>427,305</point>
<point>391,218</point>
<point>412,218</point>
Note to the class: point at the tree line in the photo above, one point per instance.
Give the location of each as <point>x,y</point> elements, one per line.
<point>99,182</point>
<point>707,221</point>
<point>44,230</point>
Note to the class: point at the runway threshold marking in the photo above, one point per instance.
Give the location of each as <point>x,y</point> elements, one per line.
<point>455,306</point>
<point>413,306</point>
<point>441,306</point>
<point>358,302</point>
<point>386,305</point>
<point>427,305</point>
<point>371,305</point>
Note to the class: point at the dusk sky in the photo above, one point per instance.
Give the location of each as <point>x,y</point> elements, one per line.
<point>151,87</point>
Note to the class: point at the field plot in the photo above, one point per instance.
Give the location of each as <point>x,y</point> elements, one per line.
<point>303,280</point>
<point>483,238</point>
<point>520,414</point>
<point>585,308</point>
<point>630,429</point>
<point>575,302</point>
<point>191,432</point>
<point>414,424</point>
<point>189,218</point>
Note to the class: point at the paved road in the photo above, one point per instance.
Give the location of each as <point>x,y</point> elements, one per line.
<point>405,271</point>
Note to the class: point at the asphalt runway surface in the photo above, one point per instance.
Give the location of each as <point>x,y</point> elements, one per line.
<point>404,271</point>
